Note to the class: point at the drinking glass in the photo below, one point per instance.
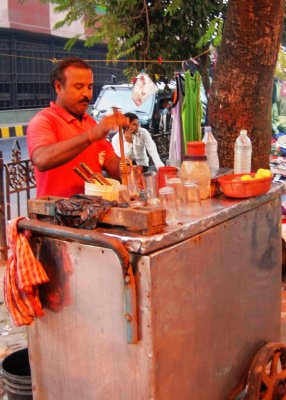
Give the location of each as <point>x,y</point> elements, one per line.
<point>164,173</point>
<point>168,201</point>
<point>123,194</point>
<point>178,187</point>
<point>151,187</point>
<point>173,162</point>
<point>192,206</point>
<point>132,184</point>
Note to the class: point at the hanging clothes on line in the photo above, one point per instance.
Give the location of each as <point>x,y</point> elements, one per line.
<point>192,108</point>
<point>176,147</point>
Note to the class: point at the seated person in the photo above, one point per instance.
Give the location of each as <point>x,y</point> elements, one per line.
<point>136,141</point>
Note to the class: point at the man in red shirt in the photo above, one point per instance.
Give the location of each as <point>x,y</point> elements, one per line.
<point>63,135</point>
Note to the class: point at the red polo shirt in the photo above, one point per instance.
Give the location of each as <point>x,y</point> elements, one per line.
<point>53,125</point>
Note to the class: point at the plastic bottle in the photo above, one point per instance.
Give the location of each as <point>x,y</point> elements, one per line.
<point>242,153</point>
<point>195,168</point>
<point>211,148</point>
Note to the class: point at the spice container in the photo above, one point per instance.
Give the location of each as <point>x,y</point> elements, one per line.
<point>195,168</point>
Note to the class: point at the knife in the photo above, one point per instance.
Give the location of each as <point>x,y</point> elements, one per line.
<point>95,175</point>
<point>82,175</point>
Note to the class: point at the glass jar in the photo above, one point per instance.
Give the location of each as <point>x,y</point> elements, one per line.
<point>195,168</point>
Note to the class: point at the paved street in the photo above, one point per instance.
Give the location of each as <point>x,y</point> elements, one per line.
<point>11,337</point>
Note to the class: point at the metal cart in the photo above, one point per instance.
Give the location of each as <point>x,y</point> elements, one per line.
<point>178,314</point>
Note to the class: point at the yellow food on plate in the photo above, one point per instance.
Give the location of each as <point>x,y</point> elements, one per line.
<point>263,173</point>
<point>246,178</point>
<point>259,173</point>
<point>267,173</point>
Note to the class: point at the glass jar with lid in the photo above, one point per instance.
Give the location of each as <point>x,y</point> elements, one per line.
<point>195,168</point>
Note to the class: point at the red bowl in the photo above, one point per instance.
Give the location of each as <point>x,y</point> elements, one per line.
<point>232,186</point>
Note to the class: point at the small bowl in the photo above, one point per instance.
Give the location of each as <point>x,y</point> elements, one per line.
<point>232,186</point>
<point>104,191</point>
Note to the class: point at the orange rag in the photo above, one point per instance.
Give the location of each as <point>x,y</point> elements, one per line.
<point>23,275</point>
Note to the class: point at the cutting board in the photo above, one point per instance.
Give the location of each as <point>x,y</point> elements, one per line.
<point>146,220</point>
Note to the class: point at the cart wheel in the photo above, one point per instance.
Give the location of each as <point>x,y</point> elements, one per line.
<point>267,374</point>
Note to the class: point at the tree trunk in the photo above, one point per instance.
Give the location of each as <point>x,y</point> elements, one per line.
<point>241,92</point>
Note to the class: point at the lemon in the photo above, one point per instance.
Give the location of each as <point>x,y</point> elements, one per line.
<point>259,173</point>
<point>267,173</point>
<point>263,173</point>
<point>246,178</point>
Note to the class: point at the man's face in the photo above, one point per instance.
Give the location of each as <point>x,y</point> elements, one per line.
<point>134,125</point>
<point>76,93</point>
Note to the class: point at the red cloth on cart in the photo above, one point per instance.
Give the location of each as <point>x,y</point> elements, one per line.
<point>23,275</point>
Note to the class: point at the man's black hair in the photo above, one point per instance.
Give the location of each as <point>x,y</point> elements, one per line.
<point>58,72</point>
<point>131,116</point>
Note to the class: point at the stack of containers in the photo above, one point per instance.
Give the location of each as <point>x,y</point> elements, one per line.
<point>164,172</point>
<point>195,167</point>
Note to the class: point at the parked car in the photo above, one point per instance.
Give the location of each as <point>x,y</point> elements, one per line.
<point>120,96</point>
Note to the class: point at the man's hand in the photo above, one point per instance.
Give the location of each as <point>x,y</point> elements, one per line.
<point>121,120</point>
<point>128,135</point>
<point>109,122</point>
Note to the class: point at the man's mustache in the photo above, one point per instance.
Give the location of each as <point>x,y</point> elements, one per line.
<point>85,100</point>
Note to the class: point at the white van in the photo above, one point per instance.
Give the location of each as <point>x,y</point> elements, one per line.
<point>148,112</point>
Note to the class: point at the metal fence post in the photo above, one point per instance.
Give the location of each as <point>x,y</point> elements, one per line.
<point>3,243</point>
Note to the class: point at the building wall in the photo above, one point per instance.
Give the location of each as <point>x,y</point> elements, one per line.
<point>66,31</point>
<point>31,16</point>
<point>34,16</point>
<point>4,18</point>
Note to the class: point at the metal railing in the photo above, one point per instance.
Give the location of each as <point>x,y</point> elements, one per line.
<point>17,180</point>
<point>3,246</point>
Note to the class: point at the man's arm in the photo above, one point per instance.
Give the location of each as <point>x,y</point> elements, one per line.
<point>55,154</point>
<point>127,143</point>
<point>115,143</point>
<point>152,148</point>
<point>112,166</point>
